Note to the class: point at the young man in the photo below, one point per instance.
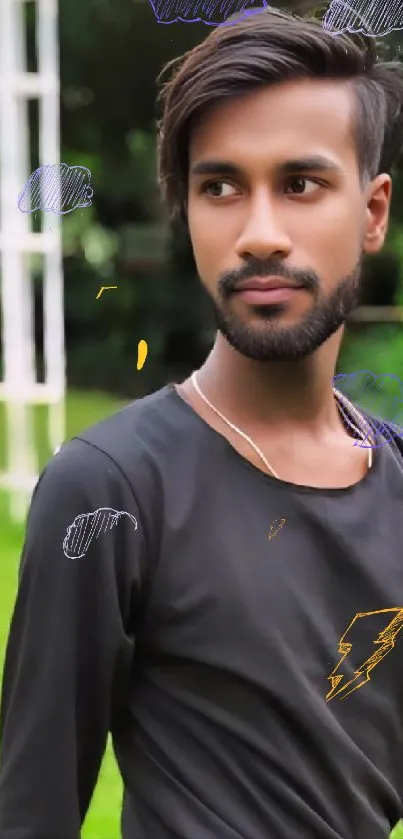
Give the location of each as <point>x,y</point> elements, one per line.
<point>215,574</point>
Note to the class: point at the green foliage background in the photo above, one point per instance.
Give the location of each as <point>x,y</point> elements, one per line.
<point>110,56</point>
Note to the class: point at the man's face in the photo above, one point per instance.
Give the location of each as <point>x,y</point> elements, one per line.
<point>257,210</point>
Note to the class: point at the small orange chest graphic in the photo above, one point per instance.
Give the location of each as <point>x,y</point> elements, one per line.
<point>273,532</point>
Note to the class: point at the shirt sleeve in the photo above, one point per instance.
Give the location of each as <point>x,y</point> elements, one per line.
<point>71,642</point>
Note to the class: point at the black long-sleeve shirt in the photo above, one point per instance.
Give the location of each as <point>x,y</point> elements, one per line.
<point>253,685</point>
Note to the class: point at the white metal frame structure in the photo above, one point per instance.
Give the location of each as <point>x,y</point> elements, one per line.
<point>20,390</point>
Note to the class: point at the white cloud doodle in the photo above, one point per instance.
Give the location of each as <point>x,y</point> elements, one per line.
<point>89,526</point>
<point>373,18</point>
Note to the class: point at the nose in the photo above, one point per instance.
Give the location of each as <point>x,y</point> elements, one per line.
<point>263,234</point>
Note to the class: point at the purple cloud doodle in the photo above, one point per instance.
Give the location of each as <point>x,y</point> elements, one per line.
<point>360,385</point>
<point>211,12</point>
<point>56,188</point>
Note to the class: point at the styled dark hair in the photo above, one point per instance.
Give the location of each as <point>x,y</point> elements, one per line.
<point>270,47</point>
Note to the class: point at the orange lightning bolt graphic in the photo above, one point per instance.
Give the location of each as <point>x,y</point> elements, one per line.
<point>385,642</point>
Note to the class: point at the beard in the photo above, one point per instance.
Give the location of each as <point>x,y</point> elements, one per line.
<point>268,340</point>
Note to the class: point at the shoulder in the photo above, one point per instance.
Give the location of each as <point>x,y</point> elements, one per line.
<point>120,444</point>
<point>386,433</point>
<point>140,428</point>
<point>112,467</point>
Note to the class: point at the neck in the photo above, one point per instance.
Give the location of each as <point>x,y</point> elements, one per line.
<point>283,395</point>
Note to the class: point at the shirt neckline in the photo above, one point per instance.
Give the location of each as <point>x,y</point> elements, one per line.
<point>224,444</point>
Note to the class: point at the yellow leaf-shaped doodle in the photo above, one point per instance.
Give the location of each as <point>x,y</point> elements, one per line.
<point>282,522</point>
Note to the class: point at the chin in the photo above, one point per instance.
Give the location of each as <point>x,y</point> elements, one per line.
<point>277,341</point>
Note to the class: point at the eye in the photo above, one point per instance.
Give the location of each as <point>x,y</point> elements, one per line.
<point>300,182</point>
<point>213,188</point>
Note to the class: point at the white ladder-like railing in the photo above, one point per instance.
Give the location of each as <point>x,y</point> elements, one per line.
<point>20,389</point>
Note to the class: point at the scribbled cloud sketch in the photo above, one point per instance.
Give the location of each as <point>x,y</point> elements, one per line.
<point>211,12</point>
<point>57,189</point>
<point>369,17</point>
<point>376,395</point>
<point>89,526</point>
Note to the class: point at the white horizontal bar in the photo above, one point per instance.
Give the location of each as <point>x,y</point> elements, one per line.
<point>29,84</point>
<point>17,481</point>
<point>31,242</point>
<point>381,314</point>
<point>36,394</point>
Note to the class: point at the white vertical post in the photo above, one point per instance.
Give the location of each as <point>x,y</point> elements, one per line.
<point>20,389</point>
<point>16,290</point>
<point>49,151</point>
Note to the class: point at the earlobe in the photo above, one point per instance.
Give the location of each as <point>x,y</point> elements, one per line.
<point>378,213</point>
<point>377,229</point>
<point>374,240</point>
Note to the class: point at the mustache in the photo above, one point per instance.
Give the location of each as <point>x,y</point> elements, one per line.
<point>230,281</point>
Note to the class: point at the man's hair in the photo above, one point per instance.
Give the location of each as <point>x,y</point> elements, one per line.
<point>271,47</point>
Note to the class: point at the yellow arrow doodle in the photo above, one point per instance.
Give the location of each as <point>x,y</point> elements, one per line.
<point>104,288</point>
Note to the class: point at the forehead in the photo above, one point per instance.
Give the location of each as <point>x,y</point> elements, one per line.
<point>289,119</point>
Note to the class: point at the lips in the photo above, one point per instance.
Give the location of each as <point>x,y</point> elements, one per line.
<point>266,291</point>
<point>266,285</point>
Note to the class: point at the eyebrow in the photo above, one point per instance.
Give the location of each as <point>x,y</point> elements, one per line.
<point>317,163</point>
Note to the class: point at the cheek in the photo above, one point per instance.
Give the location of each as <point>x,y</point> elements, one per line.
<point>210,240</point>
<point>337,235</point>
<point>340,219</point>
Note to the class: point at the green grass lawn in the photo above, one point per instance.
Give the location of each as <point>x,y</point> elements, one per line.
<point>82,410</point>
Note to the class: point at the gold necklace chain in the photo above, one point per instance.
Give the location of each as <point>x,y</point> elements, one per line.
<point>258,451</point>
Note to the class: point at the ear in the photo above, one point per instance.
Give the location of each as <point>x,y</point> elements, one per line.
<point>379,194</point>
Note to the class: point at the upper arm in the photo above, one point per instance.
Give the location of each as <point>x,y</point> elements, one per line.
<point>69,651</point>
